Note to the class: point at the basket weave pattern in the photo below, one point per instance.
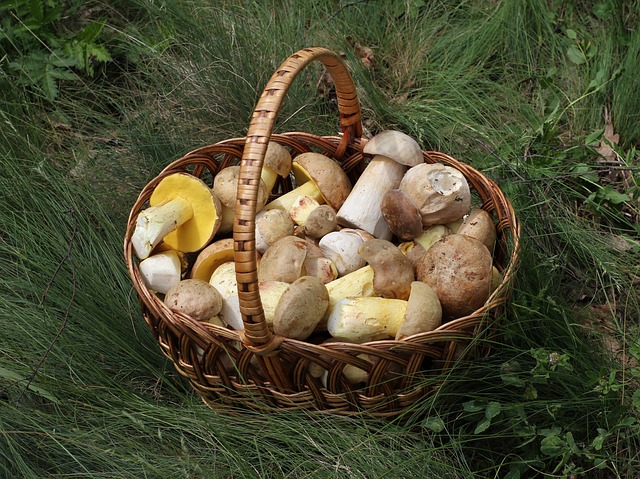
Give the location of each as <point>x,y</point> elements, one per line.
<point>255,368</point>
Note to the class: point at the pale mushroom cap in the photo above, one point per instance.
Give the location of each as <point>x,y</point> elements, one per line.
<point>284,260</point>
<point>225,187</point>
<point>301,308</point>
<point>278,158</point>
<point>401,214</point>
<point>440,192</point>
<point>196,232</point>
<point>341,247</point>
<point>211,257</point>
<point>195,298</point>
<point>270,294</point>
<point>393,271</point>
<point>396,145</point>
<point>458,268</point>
<point>271,226</point>
<point>424,312</point>
<point>321,221</point>
<point>327,174</point>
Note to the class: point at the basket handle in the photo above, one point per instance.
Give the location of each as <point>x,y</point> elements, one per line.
<point>257,335</point>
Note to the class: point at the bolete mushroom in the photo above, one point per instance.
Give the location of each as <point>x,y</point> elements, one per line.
<point>225,187</point>
<point>195,298</point>
<point>224,280</point>
<point>423,313</point>
<point>211,257</point>
<point>458,268</point>
<point>277,162</point>
<point>341,247</point>
<point>284,260</point>
<point>393,153</point>
<point>317,176</point>
<point>478,224</point>
<point>183,212</point>
<point>316,220</point>
<point>161,271</point>
<point>393,272</point>
<point>401,215</point>
<point>301,308</point>
<point>272,225</point>
<point>362,319</point>
<point>441,193</point>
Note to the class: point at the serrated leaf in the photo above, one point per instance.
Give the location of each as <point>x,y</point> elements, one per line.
<point>575,55</point>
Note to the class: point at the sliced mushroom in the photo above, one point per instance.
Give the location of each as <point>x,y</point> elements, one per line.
<point>161,271</point>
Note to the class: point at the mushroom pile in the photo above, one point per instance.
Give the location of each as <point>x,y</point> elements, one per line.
<point>396,254</point>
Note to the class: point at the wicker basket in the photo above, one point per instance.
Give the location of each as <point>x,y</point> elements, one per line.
<point>256,369</point>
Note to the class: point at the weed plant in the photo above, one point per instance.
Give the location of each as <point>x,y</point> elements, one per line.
<point>519,89</point>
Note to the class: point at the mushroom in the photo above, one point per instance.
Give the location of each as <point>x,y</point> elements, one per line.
<point>161,271</point>
<point>458,268</point>
<point>301,308</point>
<point>225,187</point>
<point>270,294</point>
<point>440,192</point>
<point>271,225</point>
<point>183,212</point>
<point>423,313</point>
<point>478,224</point>
<point>195,298</point>
<point>211,257</point>
<point>393,272</point>
<point>317,176</point>
<point>284,260</point>
<point>341,247</point>
<point>393,153</point>
<point>316,220</point>
<point>362,319</point>
<point>401,215</point>
<point>420,244</point>
<point>224,280</point>
<point>322,268</point>
<point>277,162</point>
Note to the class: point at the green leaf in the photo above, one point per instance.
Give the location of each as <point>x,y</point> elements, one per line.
<point>598,442</point>
<point>37,11</point>
<point>586,172</point>
<point>434,424</point>
<point>493,409</point>
<point>552,446</point>
<point>603,10</point>
<point>576,55</point>
<point>513,474</point>
<point>594,137</point>
<point>483,425</point>
<point>473,406</point>
<point>571,34</point>
<point>610,195</point>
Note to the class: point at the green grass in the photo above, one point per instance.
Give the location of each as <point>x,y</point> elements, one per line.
<point>84,389</point>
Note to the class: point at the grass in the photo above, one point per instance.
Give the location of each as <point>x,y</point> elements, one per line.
<point>84,389</point>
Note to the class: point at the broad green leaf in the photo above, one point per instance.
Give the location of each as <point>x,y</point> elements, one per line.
<point>552,446</point>
<point>493,409</point>
<point>473,406</point>
<point>576,55</point>
<point>571,34</point>
<point>434,424</point>
<point>483,425</point>
<point>594,137</point>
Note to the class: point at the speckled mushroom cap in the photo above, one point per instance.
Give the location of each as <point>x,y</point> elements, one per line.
<point>327,174</point>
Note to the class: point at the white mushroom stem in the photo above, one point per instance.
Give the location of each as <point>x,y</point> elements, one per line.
<point>161,271</point>
<point>286,201</point>
<point>364,319</point>
<point>362,207</point>
<point>155,222</point>
<point>224,280</point>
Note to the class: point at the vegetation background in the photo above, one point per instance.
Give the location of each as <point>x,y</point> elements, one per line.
<point>97,97</point>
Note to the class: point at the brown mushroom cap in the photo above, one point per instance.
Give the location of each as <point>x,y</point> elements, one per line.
<point>401,214</point>
<point>272,225</point>
<point>458,268</point>
<point>211,257</point>
<point>424,312</point>
<point>440,192</point>
<point>284,260</point>
<point>321,221</point>
<point>225,186</point>
<point>327,174</point>
<point>278,158</point>
<point>393,272</point>
<point>301,308</point>
<point>196,232</point>
<point>396,145</point>
<point>195,298</point>
<point>478,224</point>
